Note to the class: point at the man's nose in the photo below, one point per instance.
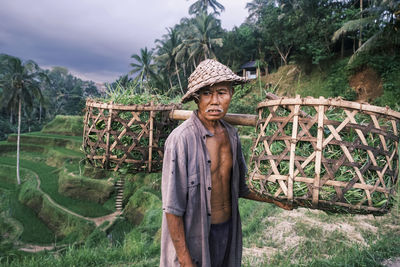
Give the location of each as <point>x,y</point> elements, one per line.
<point>214,98</point>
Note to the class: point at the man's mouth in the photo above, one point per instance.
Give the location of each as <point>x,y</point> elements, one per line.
<point>214,110</point>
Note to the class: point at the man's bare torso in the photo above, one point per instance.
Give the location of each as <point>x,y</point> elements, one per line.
<point>219,149</point>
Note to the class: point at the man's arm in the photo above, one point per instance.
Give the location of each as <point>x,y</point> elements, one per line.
<point>254,196</point>
<point>176,230</point>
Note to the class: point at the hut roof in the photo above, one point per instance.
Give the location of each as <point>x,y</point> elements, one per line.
<point>248,65</point>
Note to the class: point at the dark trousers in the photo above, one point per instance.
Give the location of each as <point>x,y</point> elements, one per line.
<point>219,242</point>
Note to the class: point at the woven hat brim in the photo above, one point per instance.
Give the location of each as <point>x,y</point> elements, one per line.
<point>207,73</point>
<point>189,94</point>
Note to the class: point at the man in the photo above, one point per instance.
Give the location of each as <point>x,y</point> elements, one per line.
<point>203,176</point>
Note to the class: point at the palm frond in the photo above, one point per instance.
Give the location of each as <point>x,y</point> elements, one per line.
<point>351,26</point>
<point>367,45</point>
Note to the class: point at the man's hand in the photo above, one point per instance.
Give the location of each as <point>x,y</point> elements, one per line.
<point>285,206</point>
<point>186,262</point>
<point>254,196</point>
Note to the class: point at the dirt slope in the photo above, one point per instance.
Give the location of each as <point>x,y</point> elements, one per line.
<point>367,84</point>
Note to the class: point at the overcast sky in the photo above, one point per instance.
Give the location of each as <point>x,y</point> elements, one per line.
<point>94,39</point>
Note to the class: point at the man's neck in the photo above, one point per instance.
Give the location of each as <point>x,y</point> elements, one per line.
<point>214,126</point>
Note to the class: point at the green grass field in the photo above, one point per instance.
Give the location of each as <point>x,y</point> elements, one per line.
<point>49,184</point>
<point>34,230</point>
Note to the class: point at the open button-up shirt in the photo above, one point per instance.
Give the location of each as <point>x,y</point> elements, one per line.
<point>186,191</point>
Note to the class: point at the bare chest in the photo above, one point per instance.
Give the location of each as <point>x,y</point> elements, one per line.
<point>219,149</point>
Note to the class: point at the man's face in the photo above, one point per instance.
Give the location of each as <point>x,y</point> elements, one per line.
<point>214,101</point>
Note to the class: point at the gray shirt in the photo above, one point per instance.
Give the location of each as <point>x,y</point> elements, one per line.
<point>186,191</point>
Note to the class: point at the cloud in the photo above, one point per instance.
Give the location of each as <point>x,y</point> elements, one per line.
<point>92,37</point>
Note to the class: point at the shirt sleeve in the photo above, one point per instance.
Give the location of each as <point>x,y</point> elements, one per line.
<point>174,176</point>
<point>243,189</point>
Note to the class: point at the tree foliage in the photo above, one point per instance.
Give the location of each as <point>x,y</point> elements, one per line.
<point>382,21</point>
<point>143,66</point>
<point>275,33</point>
<point>20,83</point>
<point>44,94</point>
<point>201,6</point>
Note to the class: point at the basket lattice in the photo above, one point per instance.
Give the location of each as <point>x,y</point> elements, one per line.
<point>328,154</point>
<point>131,136</point>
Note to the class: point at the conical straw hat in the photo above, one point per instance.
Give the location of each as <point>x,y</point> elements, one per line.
<point>210,72</point>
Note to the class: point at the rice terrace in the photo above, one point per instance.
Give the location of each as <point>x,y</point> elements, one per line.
<point>318,121</point>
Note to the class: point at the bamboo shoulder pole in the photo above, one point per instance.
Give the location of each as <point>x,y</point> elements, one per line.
<point>235,119</point>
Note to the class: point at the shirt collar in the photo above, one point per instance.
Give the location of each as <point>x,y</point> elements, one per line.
<point>200,126</point>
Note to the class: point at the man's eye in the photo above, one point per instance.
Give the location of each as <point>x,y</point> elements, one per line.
<point>206,93</point>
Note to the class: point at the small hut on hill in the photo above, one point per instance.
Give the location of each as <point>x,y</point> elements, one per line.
<point>249,70</point>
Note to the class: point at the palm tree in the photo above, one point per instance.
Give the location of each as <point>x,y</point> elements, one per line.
<point>20,83</point>
<point>384,15</point>
<point>255,8</point>
<point>201,6</point>
<point>167,50</point>
<point>143,65</point>
<point>183,57</point>
<point>204,33</point>
<point>183,51</point>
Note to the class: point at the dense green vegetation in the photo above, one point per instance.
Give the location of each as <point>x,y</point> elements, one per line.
<point>310,34</point>
<point>56,92</point>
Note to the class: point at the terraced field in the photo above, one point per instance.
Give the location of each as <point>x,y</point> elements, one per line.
<point>23,222</point>
<point>43,158</point>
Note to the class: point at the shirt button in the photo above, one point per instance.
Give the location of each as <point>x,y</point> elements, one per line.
<point>209,188</point>
<point>209,214</point>
<point>209,161</point>
<point>192,182</point>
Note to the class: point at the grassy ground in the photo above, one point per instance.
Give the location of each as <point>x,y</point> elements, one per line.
<point>49,184</point>
<point>125,245</point>
<point>56,136</point>
<point>43,156</point>
<point>34,230</point>
<point>65,125</point>
<point>272,237</point>
<point>305,237</point>
<point>53,140</point>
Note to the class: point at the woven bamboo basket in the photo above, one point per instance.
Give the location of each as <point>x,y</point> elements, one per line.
<point>327,154</point>
<point>132,136</point>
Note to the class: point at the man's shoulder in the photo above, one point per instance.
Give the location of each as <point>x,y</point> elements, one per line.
<point>187,128</point>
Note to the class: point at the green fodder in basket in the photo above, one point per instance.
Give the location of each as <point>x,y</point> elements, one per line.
<point>343,160</point>
<point>136,135</point>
